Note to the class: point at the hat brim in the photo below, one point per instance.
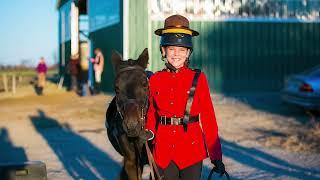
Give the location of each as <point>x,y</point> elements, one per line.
<point>159,32</point>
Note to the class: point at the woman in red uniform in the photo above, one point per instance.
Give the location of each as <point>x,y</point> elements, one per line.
<point>179,151</point>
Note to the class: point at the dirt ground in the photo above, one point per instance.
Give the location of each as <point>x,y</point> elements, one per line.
<point>262,138</point>
<point>264,118</point>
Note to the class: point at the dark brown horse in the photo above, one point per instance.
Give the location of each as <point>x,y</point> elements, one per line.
<point>125,116</point>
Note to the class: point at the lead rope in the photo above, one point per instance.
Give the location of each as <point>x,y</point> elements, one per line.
<point>149,154</point>
<point>152,164</point>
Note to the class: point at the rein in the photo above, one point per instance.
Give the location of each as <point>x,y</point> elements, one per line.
<point>152,164</point>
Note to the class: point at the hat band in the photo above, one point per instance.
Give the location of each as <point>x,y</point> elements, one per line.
<point>176,30</point>
<point>178,39</point>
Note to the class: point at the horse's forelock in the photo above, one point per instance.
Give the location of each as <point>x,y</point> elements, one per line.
<point>130,82</point>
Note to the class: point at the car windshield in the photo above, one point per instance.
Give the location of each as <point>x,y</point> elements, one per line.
<point>312,72</point>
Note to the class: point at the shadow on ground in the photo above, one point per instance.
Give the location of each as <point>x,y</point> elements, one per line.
<point>297,127</point>
<point>264,162</point>
<point>81,159</point>
<point>9,153</point>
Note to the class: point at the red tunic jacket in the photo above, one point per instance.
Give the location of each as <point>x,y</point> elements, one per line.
<point>168,97</point>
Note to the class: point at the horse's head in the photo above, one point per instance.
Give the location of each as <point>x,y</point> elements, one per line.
<point>131,87</point>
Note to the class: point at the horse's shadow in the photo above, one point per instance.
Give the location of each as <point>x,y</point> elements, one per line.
<point>80,158</point>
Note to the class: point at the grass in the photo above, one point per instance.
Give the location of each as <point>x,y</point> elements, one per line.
<point>23,76</point>
<point>26,72</point>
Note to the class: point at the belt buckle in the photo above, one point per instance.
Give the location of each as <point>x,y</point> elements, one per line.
<point>162,120</point>
<point>175,120</point>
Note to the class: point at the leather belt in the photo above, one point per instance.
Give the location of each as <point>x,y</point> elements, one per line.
<point>176,120</point>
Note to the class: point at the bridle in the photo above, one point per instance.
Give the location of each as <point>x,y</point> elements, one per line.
<point>142,108</point>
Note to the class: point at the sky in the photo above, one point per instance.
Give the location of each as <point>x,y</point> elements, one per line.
<point>28,30</point>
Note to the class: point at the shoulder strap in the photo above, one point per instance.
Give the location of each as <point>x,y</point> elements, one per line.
<point>190,99</point>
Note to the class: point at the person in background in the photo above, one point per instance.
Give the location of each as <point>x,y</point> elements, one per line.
<point>83,75</point>
<point>91,76</point>
<point>73,69</point>
<point>180,144</point>
<point>149,73</point>
<point>41,73</point>
<point>98,65</point>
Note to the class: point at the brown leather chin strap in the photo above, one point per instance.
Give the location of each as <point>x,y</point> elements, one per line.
<point>170,67</point>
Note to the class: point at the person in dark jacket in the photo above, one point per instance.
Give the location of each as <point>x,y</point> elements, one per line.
<point>73,69</point>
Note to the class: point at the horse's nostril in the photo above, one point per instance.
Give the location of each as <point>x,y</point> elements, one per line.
<point>132,125</point>
<point>132,133</point>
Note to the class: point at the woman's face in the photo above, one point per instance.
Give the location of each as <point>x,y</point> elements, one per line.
<point>176,55</point>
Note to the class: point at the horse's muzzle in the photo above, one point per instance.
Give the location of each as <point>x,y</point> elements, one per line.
<point>132,133</point>
<point>133,129</point>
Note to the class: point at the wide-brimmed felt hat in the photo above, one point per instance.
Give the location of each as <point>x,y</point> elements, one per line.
<point>176,24</point>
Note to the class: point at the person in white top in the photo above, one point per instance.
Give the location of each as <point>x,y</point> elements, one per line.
<point>98,62</point>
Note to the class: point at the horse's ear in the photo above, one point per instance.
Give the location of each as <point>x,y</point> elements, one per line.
<point>144,58</point>
<point>116,59</point>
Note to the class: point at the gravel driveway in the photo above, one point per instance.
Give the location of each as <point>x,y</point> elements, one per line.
<point>261,137</point>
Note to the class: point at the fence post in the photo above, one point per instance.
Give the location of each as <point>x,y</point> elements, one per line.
<point>5,82</point>
<point>20,79</point>
<point>61,82</point>
<point>13,83</point>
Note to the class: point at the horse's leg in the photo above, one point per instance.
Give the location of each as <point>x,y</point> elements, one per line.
<point>130,160</point>
<point>123,175</point>
<point>130,168</point>
<point>139,161</point>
